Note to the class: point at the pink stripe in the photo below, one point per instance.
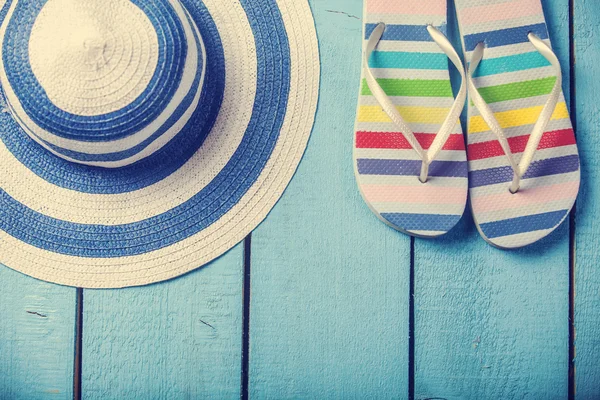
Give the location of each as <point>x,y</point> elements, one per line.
<point>540,195</point>
<point>500,12</point>
<point>414,7</point>
<point>425,194</point>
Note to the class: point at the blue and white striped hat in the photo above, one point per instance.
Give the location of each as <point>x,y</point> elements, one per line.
<point>142,139</point>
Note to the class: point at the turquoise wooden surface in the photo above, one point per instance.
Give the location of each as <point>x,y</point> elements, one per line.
<point>587,274</point>
<point>37,321</point>
<point>493,324</point>
<point>330,287</point>
<point>179,339</point>
<point>329,281</point>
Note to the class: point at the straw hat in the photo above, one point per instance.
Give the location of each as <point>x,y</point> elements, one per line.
<point>142,139</point>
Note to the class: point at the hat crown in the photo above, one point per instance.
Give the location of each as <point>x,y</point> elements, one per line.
<point>101,82</point>
<point>94,49</point>
<point>93,58</point>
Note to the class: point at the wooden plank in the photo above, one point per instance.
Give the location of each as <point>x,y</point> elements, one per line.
<point>493,324</point>
<point>37,325</point>
<point>587,278</point>
<point>178,339</point>
<point>329,305</point>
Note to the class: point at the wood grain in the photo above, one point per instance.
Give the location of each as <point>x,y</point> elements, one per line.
<point>587,276</point>
<point>493,324</point>
<point>37,325</point>
<point>330,286</point>
<point>329,305</point>
<point>178,339</point>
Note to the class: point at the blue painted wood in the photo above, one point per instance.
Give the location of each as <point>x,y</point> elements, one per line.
<point>330,287</point>
<point>37,325</point>
<point>329,304</point>
<point>587,271</point>
<point>493,324</point>
<point>178,339</point>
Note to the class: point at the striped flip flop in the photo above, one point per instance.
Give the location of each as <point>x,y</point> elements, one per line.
<point>523,160</point>
<point>409,153</point>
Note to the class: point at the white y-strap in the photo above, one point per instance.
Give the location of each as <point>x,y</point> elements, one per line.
<point>390,109</point>
<point>540,126</point>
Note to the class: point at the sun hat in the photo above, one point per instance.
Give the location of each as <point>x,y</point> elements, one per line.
<point>143,139</point>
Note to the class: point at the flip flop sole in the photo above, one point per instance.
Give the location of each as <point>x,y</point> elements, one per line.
<point>515,80</point>
<point>413,72</point>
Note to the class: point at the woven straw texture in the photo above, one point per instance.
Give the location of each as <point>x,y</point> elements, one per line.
<point>192,198</point>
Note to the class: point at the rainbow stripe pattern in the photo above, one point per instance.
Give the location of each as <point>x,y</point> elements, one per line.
<point>413,72</point>
<point>515,80</point>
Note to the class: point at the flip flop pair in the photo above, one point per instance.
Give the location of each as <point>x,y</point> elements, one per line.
<point>521,165</point>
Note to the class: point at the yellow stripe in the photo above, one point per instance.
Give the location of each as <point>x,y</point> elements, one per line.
<point>419,115</point>
<point>513,118</point>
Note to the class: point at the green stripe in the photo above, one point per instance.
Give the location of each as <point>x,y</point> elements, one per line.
<point>412,87</point>
<point>518,90</point>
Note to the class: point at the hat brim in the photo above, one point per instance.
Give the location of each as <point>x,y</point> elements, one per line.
<point>197,197</point>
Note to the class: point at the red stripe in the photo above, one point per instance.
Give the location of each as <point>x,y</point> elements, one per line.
<point>396,140</point>
<point>481,151</point>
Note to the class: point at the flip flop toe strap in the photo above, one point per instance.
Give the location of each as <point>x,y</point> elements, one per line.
<point>519,168</point>
<point>390,109</point>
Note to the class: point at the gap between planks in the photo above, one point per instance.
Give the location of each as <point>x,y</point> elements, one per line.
<point>572,217</point>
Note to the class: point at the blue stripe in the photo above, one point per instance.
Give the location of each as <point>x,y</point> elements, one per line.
<point>423,222</point>
<point>210,204</point>
<point>530,223</point>
<point>406,33</point>
<point>119,124</point>
<point>505,37</point>
<point>368,166</point>
<point>150,170</point>
<point>407,60</point>
<point>550,166</point>
<point>519,62</point>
